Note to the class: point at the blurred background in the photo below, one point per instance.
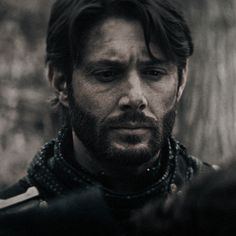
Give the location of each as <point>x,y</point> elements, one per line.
<point>206,121</point>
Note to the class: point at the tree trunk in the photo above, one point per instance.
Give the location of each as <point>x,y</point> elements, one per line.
<point>206,119</point>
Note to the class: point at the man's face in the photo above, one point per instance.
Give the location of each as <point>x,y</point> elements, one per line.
<point>122,102</point>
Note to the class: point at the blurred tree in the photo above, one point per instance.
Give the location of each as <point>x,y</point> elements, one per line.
<point>25,115</point>
<point>207,115</point>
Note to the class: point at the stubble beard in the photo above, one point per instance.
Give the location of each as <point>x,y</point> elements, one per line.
<point>94,135</point>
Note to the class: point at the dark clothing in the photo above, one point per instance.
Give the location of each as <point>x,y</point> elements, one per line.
<point>64,216</point>
<point>55,174</point>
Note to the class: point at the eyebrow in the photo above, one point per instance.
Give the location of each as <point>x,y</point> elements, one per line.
<point>103,63</point>
<point>122,65</point>
<point>154,62</point>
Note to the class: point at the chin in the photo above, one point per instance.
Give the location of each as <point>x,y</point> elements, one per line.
<point>130,155</point>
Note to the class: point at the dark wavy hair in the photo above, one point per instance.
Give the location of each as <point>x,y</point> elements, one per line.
<point>71,20</point>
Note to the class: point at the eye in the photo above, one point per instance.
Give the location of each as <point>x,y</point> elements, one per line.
<point>106,75</point>
<point>153,74</point>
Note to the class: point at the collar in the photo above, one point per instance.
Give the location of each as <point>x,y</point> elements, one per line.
<point>55,175</point>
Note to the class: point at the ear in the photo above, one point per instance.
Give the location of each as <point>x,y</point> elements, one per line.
<point>182,82</point>
<point>58,82</point>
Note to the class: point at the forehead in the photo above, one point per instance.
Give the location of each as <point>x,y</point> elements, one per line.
<point>119,39</point>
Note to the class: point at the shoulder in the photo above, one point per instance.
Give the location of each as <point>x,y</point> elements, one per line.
<point>193,166</point>
<point>188,166</point>
<point>20,187</point>
<point>20,196</point>
<point>200,167</point>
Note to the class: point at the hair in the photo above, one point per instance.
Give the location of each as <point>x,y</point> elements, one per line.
<point>71,20</point>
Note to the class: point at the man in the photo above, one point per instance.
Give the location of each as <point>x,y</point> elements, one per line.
<point>119,68</point>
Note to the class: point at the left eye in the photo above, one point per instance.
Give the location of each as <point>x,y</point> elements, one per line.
<point>153,74</point>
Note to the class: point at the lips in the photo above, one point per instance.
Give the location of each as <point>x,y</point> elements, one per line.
<point>131,126</point>
<point>132,129</point>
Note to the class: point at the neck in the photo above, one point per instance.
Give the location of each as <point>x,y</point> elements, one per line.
<point>122,179</point>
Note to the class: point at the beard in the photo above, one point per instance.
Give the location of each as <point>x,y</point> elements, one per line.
<point>95,135</point>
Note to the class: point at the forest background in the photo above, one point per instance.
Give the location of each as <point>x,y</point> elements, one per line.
<point>206,121</point>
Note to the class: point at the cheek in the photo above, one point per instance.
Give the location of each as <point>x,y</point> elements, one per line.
<point>93,99</point>
<point>162,97</point>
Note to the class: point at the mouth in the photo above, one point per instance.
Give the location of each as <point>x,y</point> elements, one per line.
<point>131,126</point>
<point>133,129</point>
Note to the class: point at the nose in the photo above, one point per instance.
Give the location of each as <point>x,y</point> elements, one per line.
<point>133,98</point>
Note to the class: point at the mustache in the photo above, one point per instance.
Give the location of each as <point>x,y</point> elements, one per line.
<point>131,117</point>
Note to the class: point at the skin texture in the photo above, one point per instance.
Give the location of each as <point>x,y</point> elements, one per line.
<point>122,94</point>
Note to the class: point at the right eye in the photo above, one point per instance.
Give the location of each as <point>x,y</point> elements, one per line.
<point>106,75</point>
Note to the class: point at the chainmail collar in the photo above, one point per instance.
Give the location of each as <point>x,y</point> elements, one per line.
<point>55,176</point>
